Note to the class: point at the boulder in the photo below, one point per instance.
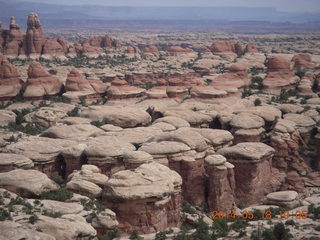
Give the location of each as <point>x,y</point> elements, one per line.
<point>119,116</point>
<point>26,183</point>
<point>9,161</point>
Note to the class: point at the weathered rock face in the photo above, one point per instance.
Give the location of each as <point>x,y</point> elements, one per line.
<point>147,199</point>
<point>221,182</point>
<point>286,199</point>
<point>254,176</point>
<point>247,127</point>
<point>302,62</point>
<point>75,82</point>
<point>13,40</point>
<point>40,83</point>
<point>133,50</point>
<point>88,181</point>
<point>251,48</point>
<point>10,83</point>
<point>151,50</point>
<point>54,47</point>
<point>122,117</point>
<point>287,141</point>
<point>12,161</point>
<point>34,37</point>
<point>222,46</point>
<point>104,42</point>
<point>125,92</point>
<point>279,74</point>
<point>44,152</point>
<point>26,183</point>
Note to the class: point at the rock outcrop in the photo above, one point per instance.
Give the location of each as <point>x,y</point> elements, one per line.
<point>26,183</point>
<point>254,175</point>
<point>40,83</point>
<point>10,82</point>
<point>279,74</point>
<point>146,199</point>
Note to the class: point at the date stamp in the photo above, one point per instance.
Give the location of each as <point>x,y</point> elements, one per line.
<point>259,214</point>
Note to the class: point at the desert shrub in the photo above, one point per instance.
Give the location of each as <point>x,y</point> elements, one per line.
<point>4,105</point>
<point>202,231</point>
<point>277,232</point>
<point>220,227</point>
<point>55,176</point>
<point>4,215</point>
<point>148,85</point>
<point>52,214</point>
<point>33,218</point>
<point>101,123</point>
<point>257,102</point>
<point>187,208</point>
<point>135,235</point>
<point>246,92</point>
<point>317,228</point>
<point>74,112</point>
<point>314,211</point>
<point>112,234</point>
<point>61,194</point>
<point>256,83</point>
<point>239,224</point>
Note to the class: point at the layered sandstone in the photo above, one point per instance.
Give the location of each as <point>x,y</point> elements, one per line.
<point>10,82</point>
<point>147,199</point>
<point>40,83</point>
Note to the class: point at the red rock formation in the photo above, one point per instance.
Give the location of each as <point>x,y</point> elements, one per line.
<point>104,42</point>
<point>75,82</point>
<point>221,184</point>
<point>13,40</point>
<point>286,140</point>
<point>10,83</point>
<point>132,49</point>
<point>277,63</point>
<point>238,48</point>
<point>40,83</point>
<point>34,39</point>
<point>251,48</point>
<point>52,46</point>
<point>89,50</point>
<point>151,50</point>
<point>147,198</point>
<point>222,46</point>
<point>279,74</point>
<point>254,175</point>
<point>302,62</point>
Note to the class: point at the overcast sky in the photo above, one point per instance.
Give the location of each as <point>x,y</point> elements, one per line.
<point>281,5</point>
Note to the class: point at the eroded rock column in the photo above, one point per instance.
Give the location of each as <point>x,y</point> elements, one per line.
<point>254,175</point>
<point>146,199</point>
<point>221,184</point>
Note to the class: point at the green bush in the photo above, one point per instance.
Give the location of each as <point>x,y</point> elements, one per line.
<point>187,208</point>
<point>317,228</point>
<point>101,123</point>
<point>4,215</point>
<point>220,227</point>
<point>74,112</point>
<point>61,194</point>
<point>256,83</point>
<point>257,102</point>
<point>34,218</point>
<point>55,176</point>
<point>278,232</point>
<point>112,234</point>
<point>135,235</point>
<point>52,214</point>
